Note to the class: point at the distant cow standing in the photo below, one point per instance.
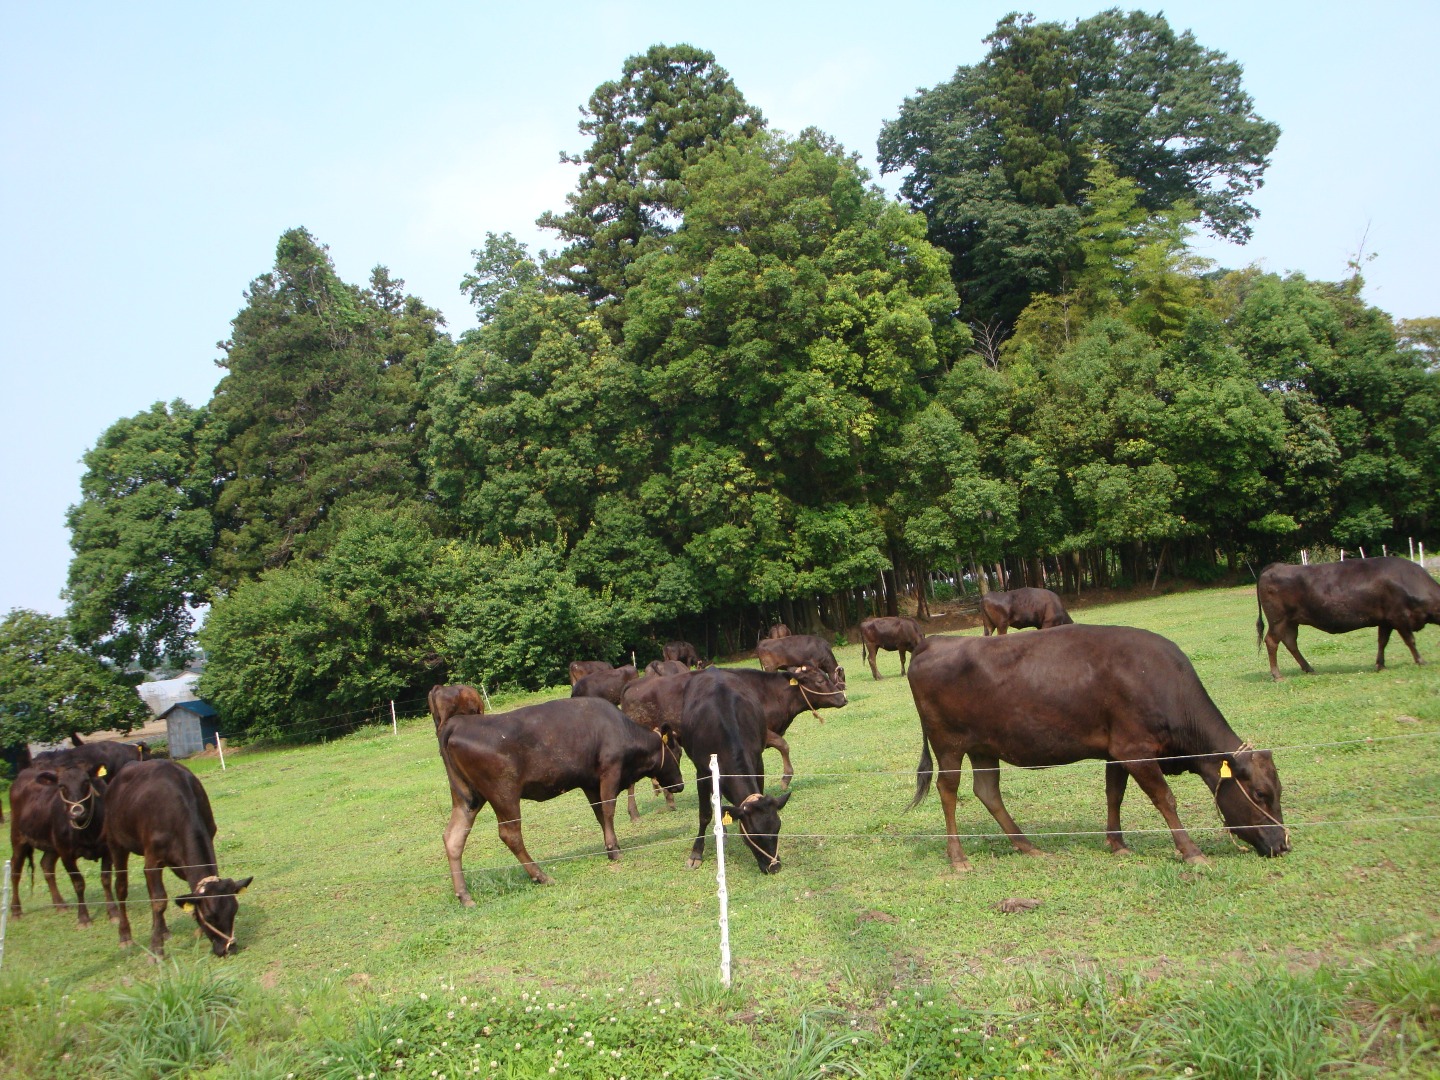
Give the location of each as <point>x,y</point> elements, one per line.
<point>59,810</point>
<point>580,668</point>
<point>159,811</point>
<point>1126,696</point>
<point>448,701</point>
<point>778,630</point>
<point>890,632</point>
<point>1019,608</point>
<point>666,667</point>
<point>684,652</point>
<point>536,753</point>
<point>1389,593</point>
<point>799,650</point>
<point>607,685</point>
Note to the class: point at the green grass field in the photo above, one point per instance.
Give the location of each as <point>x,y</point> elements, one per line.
<point>351,918</point>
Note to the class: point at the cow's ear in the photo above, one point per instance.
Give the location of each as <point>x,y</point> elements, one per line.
<point>241,886</point>
<point>666,733</point>
<point>794,681</point>
<point>187,902</point>
<point>47,777</point>
<point>782,800</point>
<point>98,771</point>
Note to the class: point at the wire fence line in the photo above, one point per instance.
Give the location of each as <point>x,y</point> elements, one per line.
<point>442,876</point>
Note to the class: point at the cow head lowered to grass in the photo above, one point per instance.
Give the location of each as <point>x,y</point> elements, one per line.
<point>214,905</point>
<point>758,818</point>
<point>1247,791</point>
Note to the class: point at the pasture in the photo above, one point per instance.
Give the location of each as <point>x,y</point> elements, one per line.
<point>351,917</point>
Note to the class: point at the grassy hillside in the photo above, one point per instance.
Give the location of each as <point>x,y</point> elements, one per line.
<point>351,905</point>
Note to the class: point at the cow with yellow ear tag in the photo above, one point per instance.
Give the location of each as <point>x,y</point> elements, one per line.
<point>159,810</point>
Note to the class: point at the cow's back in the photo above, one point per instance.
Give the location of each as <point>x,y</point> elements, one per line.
<point>1342,596</point>
<point>153,799</point>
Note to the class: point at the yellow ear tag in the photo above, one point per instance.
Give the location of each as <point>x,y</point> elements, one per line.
<point>184,907</point>
<point>100,771</point>
<point>794,682</point>
<point>241,889</point>
<point>664,740</point>
<point>1225,772</point>
<point>726,819</point>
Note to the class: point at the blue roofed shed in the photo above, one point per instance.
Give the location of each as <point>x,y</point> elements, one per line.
<point>190,726</point>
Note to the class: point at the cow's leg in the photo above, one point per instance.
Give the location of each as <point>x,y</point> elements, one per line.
<point>18,854</point>
<point>155,886</point>
<point>1002,629</point>
<point>630,804</point>
<point>47,870</point>
<point>902,660</point>
<point>703,785</point>
<point>987,790</point>
<point>1289,633</point>
<point>1408,637</point>
<point>1385,629</point>
<point>872,653</point>
<point>1152,781</point>
<point>1115,780</point>
<point>775,742</point>
<point>462,819</point>
<point>602,800</point>
<point>508,812</point>
<point>77,882</point>
<point>947,782</point>
<point>106,871</point>
<point>121,860</point>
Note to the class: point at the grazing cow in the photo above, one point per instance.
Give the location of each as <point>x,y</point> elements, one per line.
<point>159,811</point>
<point>721,719</point>
<point>781,696</point>
<point>655,703</point>
<point>799,650</point>
<point>606,685</point>
<point>666,667</point>
<point>777,630</point>
<point>1018,608</point>
<point>59,810</point>
<point>887,632</point>
<point>1390,593</point>
<point>580,668</point>
<point>541,751</point>
<point>685,653</point>
<point>448,701</point>
<point>1126,696</point>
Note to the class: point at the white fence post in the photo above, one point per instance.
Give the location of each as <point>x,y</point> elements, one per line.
<point>394,726</point>
<point>4,908</point>
<point>220,746</point>
<point>722,892</point>
<point>484,695</point>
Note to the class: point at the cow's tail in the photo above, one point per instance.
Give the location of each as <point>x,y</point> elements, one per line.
<point>923,772</point>
<point>30,857</point>
<point>1260,607</point>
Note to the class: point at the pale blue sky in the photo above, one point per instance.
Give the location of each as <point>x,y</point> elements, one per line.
<point>153,153</point>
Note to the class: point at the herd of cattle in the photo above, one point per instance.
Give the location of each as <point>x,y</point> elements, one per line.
<point>1071,692</point>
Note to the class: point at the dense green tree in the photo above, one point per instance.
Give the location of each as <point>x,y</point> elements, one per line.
<point>998,157</point>
<point>670,106</point>
<point>319,409</point>
<point>324,640</point>
<point>50,687</point>
<point>143,535</point>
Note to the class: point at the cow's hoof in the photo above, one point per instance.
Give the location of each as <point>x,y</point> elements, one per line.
<point>125,943</point>
<point>634,818</point>
<point>614,856</point>
<point>544,879</point>
<point>1196,860</point>
<point>466,901</point>
<point>961,867</point>
<point>1121,850</point>
<point>692,862</point>
<point>84,924</point>
<point>156,956</point>
<point>1035,853</point>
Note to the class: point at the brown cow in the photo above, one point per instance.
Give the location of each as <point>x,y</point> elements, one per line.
<point>889,632</point>
<point>799,650</point>
<point>1123,695</point>
<point>684,652</point>
<point>59,810</point>
<point>666,667</point>
<point>580,668</point>
<point>448,701</point>
<point>159,810</point>
<point>606,685</point>
<point>1018,608</point>
<point>655,703</point>
<point>778,630</point>
<point>538,752</point>
<point>781,696</point>
<point>1389,593</point>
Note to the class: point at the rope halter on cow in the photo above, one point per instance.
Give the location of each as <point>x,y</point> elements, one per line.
<point>70,804</point>
<point>805,692</point>
<point>739,820</point>
<point>199,890</point>
<point>1227,774</point>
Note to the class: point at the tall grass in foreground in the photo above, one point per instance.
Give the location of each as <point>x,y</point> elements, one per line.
<point>173,1025</point>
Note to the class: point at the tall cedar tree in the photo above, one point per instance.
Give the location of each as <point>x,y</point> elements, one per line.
<point>669,108</point>
<point>320,407</point>
<point>998,157</point>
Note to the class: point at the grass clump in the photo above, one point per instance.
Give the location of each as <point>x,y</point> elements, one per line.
<point>816,1048</point>
<point>173,1025</point>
